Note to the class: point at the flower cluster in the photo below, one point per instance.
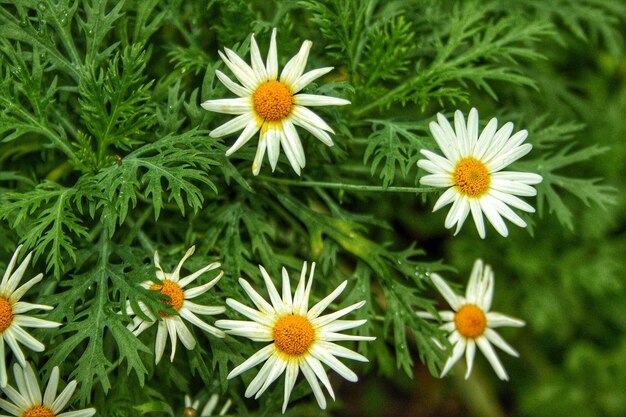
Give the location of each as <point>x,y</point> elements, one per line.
<point>297,338</point>
<point>28,401</point>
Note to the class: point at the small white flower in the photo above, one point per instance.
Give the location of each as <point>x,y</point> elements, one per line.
<point>471,323</point>
<point>301,338</point>
<point>12,321</point>
<point>472,172</point>
<point>29,402</point>
<point>172,285</point>
<point>191,408</point>
<point>272,104</point>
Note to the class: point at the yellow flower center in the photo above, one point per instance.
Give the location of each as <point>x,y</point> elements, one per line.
<point>272,101</point>
<point>6,314</point>
<point>472,177</point>
<point>171,289</point>
<point>190,412</point>
<point>470,321</point>
<point>38,411</point>
<point>293,335</point>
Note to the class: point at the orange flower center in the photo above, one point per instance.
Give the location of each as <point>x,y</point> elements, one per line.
<point>293,335</point>
<point>6,314</point>
<point>38,411</point>
<point>172,290</point>
<point>472,177</point>
<point>190,412</point>
<point>272,101</point>
<point>470,321</point>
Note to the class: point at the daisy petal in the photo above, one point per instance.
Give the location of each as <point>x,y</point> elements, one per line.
<point>491,356</point>
<point>319,100</point>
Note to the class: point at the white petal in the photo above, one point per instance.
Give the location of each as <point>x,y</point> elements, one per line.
<point>498,140</point>
<point>342,352</point>
<point>341,325</point>
<point>195,320</point>
<point>192,293</point>
<point>260,153</point>
<point>51,389</point>
<point>477,215</point>
<point>449,196</point>
<point>161,340</point>
<point>240,68</point>
<point>315,386</point>
<point>472,291</point>
<point>308,77</point>
<point>11,265</point>
<point>292,146</point>
<point>21,307</point>
<point>276,371</point>
<point>87,412</point>
<point>232,86</point>
<point>319,100</point>
<point>232,126</point>
<point>326,357</point>
<point>512,187</point>
<point>442,163</point>
<point>437,180</point>
<point>511,200</point>
<point>250,313</point>
<point>272,58</point>
<point>320,373</point>
<point>229,105</point>
<point>256,298</point>
<point>486,138</point>
<point>457,352</point>
<point>497,340</point>
<point>446,291</point>
<point>295,67</point>
<point>304,117</point>
<point>19,293</point>
<point>472,129</point>
<point>27,321</point>
<point>493,216</point>
<point>61,401</point>
<point>470,352</point>
<point>277,302</point>
<point>461,133</point>
<point>291,374</point>
<point>273,146</point>
<point>495,320</point>
<point>529,178</point>
<point>32,385</point>
<point>252,361</point>
<point>328,318</point>
<point>251,128</point>
<point>3,365</point>
<point>258,67</point>
<point>286,288</point>
<point>491,356</point>
<point>317,309</point>
<point>261,376</point>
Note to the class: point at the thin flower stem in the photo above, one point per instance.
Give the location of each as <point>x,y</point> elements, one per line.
<point>349,187</point>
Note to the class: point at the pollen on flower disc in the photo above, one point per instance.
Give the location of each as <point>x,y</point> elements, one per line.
<point>172,290</point>
<point>470,321</point>
<point>471,177</point>
<point>272,101</point>
<point>6,314</point>
<point>293,335</point>
<point>38,411</point>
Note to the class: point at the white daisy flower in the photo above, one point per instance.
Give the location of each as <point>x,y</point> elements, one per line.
<point>272,104</point>
<point>191,408</point>
<point>472,171</point>
<point>12,321</point>
<point>29,402</point>
<point>301,338</point>
<point>471,323</point>
<point>172,285</point>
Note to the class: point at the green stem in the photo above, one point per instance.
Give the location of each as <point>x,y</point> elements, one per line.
<point>349,187</point>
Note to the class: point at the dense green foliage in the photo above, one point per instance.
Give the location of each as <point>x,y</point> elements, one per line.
<point>105,157</point>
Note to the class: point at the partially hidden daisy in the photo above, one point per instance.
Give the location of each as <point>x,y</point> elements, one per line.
<point>171,285</point>
<point>471,169</point>
<point>471,323</point>
<point>28,401</point>
<point>272,104</point>
<point>301,339</point>
<point>191,408</point>
<point>12,319</point>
